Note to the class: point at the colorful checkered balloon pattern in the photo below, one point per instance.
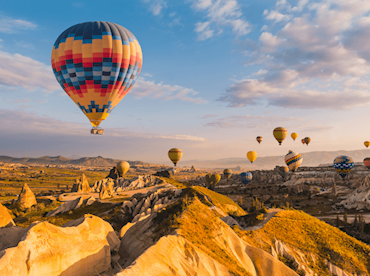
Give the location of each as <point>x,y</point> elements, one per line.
<point>96,63</point>
<point>293,160</point>
<point>343,165</point>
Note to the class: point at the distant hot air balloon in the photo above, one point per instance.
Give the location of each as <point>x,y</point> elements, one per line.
<point>259,139</point>
<point>367,143</point>
<point>252,155</point>
<point>175,155</point>
<point>246,177</point>
<point>307,140</point>
<point>293,160</point>
<point>123,167</point>
<point>303,141</point>
<point>208,179</point>
<point>280,134</point>
<point>215,178</point>
<point>96,63</point>
<point>294,135</point>
<point>367,162</point>
<point>283,171</point>
<point>228,173</point>
<point>343,165</point>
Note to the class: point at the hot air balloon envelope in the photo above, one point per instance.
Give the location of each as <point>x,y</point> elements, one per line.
<point>280,134</point>
<point>96,63</point>
<point>228,173</point>
<point>259,139</point>
<point>307,140</point>
<point>303,141</point>
<point>123,167</point>
<point>246,177</point>
<point>293,160</point>
<point>175,155</point>
<point>252,155</point>
<point>343,165</point>
<point>367,162</point>
<point>294,136</point>
<point>367,143</point>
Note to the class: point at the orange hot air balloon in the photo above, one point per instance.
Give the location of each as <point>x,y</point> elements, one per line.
<point>251,155</point>
<point>307,140</point>
<point>294,135</point>
<point>259,139</point>
<point>367,143</point>
<point>175,155</point>
<point>303,141</point>
<point>280,134</point>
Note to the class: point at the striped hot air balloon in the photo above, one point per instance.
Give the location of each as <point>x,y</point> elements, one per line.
<point>175,155</point>
<point>259,139</point>
<point>228,173</point>
<point>96,63</point>
<point>246,177</point>
<point>293,160</point>
<point>343,165</point>
<point>280,134</point>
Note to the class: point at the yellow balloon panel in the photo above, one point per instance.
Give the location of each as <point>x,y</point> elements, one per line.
<point>252,156</point>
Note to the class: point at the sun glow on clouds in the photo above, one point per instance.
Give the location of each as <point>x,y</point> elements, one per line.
<point>316,57</point>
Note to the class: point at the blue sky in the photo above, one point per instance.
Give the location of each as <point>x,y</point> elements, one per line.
<point>216,74</point>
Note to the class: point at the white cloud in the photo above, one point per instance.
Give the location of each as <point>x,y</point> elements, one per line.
<point>146,88</point>
<point>18,70</point>
<point>220,14</point>
<point>10,25</point>
<point>318,59</point>
<point>156,6</point>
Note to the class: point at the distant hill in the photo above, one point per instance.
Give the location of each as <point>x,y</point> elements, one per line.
<point>98,161</point>
<point>310,159</point>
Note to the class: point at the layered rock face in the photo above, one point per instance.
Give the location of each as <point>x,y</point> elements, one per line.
<point>5,218</point>
<point>71,205</point>
<point>26,198</point>
<point>81,247</point>
<point>81,185</point>
<point>360,198</point>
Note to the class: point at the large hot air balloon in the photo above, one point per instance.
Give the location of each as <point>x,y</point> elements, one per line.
<point>123,167</point>
<point>259,139</point>
<point>367,162</point>
<point>175,155</point>
<point>280,134</point>
<point>246,177</point>
<point>343,165</point>
<point>293,160</point>
<point>294,135</point>
<point>367,143</point>
<point>303,141</point>
<point>96,63</point>
<point>252,155</point>
<point>228,173</point>
<point>307,140</point>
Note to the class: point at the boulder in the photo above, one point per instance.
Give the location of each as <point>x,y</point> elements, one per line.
<point>26,198</point>
<point>71,205</point>
<point>5,218</point>
<point>11,236</point>
<point>83,247</point>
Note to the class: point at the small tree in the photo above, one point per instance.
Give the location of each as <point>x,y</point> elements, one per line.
<point>345,217</point>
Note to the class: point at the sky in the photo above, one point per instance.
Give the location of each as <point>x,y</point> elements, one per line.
<point>215,74</point>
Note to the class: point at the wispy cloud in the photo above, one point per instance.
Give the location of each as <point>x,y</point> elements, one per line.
<point>10,25</point>
<point>156,6</point>
<point>220,14</point>
<point>146,88</point>
<point>182,137</point>
<point>19,70</point>
<point>249,121</point>
<point>316,58</point>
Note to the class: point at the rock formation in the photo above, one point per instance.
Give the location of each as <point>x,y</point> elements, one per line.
<point>360,198</point>
<point>5,218</point>
<point>26,198</point>
<point>71,205</point>
<point>81,185</point>
<point>81,247</point>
